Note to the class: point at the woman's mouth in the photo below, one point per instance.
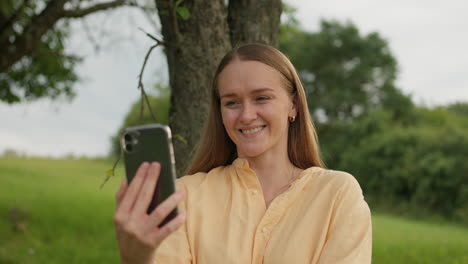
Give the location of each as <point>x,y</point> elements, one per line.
<point>251,130</point>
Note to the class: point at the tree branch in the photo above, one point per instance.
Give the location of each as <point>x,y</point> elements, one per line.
<point>13,17</point>
<point>77,13</point>
<point>90,36</point>
<point>144,98</point>
<point>29,39</point>
<point>25,43</point>
<point>160,42</point>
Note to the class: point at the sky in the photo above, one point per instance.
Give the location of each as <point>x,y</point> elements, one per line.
<point>427,37</point>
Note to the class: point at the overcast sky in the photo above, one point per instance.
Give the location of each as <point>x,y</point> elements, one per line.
<point>428,38</point>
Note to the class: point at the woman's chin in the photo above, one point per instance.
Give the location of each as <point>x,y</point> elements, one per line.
<point>250,153</point>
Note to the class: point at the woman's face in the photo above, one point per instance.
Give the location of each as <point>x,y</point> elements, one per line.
<point>255,108</point>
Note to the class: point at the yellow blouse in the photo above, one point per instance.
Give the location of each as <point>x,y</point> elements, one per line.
<point>321,218</point>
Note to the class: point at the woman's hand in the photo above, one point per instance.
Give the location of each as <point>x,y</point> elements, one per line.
<point>138,233</point>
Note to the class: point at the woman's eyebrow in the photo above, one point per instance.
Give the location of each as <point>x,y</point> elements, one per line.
<point>262,90</point>
<point>256,91</point>
<point>227,95</point>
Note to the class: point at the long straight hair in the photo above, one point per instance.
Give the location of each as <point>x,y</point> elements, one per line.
<point>217,149</point>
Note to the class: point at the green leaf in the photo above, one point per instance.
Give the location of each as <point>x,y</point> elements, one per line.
<point>6,8</point>
<point>183,12</point>
<point>110,173</point>
<point>181,138</point>
<point>177,4</point>
<point>163,12</point>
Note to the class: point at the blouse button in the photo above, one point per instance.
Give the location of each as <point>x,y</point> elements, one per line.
<point>264,230</point>
<point>254,191</point>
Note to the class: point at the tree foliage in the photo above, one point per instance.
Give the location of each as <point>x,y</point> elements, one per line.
<point>346,76</point>
<point>422,166</point>
<point>345,73</point>
<point>33,61</point>
<point>405,157</point>
<point>459,108</point>
<point>49,72</point>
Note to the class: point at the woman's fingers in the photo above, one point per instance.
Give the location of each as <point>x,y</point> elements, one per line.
<point>137,232</point>
<point>158,235</point>
<point>132,191</point>
<point>120,194</point>
<point>148,188</point>
<point>164,209</point>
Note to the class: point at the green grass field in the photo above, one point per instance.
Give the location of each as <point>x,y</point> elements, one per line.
<point>52,211</point>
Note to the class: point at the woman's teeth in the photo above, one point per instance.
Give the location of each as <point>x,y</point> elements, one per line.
<point>250,131</point>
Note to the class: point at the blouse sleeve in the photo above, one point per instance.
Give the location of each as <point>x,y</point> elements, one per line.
<point>349,238</point>
<point>175,248</point>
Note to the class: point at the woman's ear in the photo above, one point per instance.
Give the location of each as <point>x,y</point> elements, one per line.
<point>294,109</point>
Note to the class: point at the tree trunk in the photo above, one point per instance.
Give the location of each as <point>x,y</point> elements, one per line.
<point>195,46</point>
<point>254,21</point>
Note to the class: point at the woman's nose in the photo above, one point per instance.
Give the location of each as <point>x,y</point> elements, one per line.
<point>248,114</point>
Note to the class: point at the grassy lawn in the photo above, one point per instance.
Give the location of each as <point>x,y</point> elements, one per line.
<point>398,240</point>
<point>52,211</point>
<point>67,218</point>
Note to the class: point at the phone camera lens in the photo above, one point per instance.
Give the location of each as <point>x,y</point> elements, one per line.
<point>128,147</point>
<point>129,141</point>
<point>128,137</point>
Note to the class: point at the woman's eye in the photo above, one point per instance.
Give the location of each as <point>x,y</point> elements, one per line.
<point>229,103</point>
<point>262,98</point>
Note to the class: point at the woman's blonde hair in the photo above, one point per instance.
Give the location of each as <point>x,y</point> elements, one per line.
<point>217,149</point>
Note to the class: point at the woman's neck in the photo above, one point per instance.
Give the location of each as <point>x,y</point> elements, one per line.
<point>275,173</point>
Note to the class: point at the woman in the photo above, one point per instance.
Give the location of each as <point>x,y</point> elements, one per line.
<point>259,192</point>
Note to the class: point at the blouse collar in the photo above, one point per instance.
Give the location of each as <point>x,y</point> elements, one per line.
<point>249,178</point>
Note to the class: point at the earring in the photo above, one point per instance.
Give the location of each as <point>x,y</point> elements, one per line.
<point>292,119</point>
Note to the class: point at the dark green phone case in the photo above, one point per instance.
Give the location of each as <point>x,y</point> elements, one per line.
<point>151,143</point>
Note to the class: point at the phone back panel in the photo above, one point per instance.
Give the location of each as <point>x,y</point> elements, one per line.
<point>151,143</point>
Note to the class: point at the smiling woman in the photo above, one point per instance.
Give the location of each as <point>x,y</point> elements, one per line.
<point>278,78</point>
<point>255,118</point>
<point>258,192</point>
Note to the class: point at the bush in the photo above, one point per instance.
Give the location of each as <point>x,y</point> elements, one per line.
<point>422,165</point>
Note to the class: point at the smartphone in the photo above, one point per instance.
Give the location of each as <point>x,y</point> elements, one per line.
<point>151,143</point>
